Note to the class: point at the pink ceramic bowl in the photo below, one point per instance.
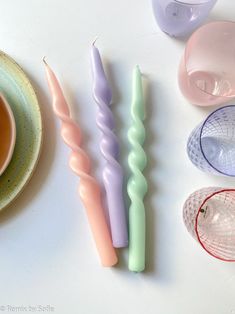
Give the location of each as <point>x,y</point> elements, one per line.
<point>7,134</point>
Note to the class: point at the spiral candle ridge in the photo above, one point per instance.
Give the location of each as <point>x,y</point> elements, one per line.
<point>109,142</point>
<point>79,162</point>
<point>109,146</point>
<point>137,184</point>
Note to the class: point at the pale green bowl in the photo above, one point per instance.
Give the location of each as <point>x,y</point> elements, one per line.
<point>18,91</point>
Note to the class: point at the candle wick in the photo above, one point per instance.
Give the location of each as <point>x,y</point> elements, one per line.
<point>44,60</point>
<point>95,41</point>
<point>137,67</point>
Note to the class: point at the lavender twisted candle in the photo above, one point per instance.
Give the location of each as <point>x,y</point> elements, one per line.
<point>89,189</point>
<point>112,172</point>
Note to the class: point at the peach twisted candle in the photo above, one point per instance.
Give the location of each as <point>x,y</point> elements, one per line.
<point>79,162</point>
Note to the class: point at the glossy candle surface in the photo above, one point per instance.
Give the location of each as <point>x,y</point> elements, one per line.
<point>7,134</point>
<point>79,162</point>
<point>109,146</point>
<point>137,184</point>
<point>206,71</point>
<point>179,18</point>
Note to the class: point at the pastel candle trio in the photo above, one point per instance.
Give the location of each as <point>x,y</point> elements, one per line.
<point>89,189</point>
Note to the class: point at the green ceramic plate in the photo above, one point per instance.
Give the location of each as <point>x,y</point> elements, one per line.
<point>19,92</point>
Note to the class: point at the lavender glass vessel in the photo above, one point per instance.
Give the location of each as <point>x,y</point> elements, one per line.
<point>211,145</point>
<point>179,18</point>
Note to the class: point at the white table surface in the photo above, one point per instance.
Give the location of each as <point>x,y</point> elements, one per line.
<point>47,255</point>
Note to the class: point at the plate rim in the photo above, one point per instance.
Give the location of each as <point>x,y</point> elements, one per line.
<point>41,127</point>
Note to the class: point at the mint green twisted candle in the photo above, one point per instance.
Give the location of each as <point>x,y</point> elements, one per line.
<point>137,185</point>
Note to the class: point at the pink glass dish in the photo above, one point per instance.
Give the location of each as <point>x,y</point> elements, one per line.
<point>209,216</point>
<point>207,69</point>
